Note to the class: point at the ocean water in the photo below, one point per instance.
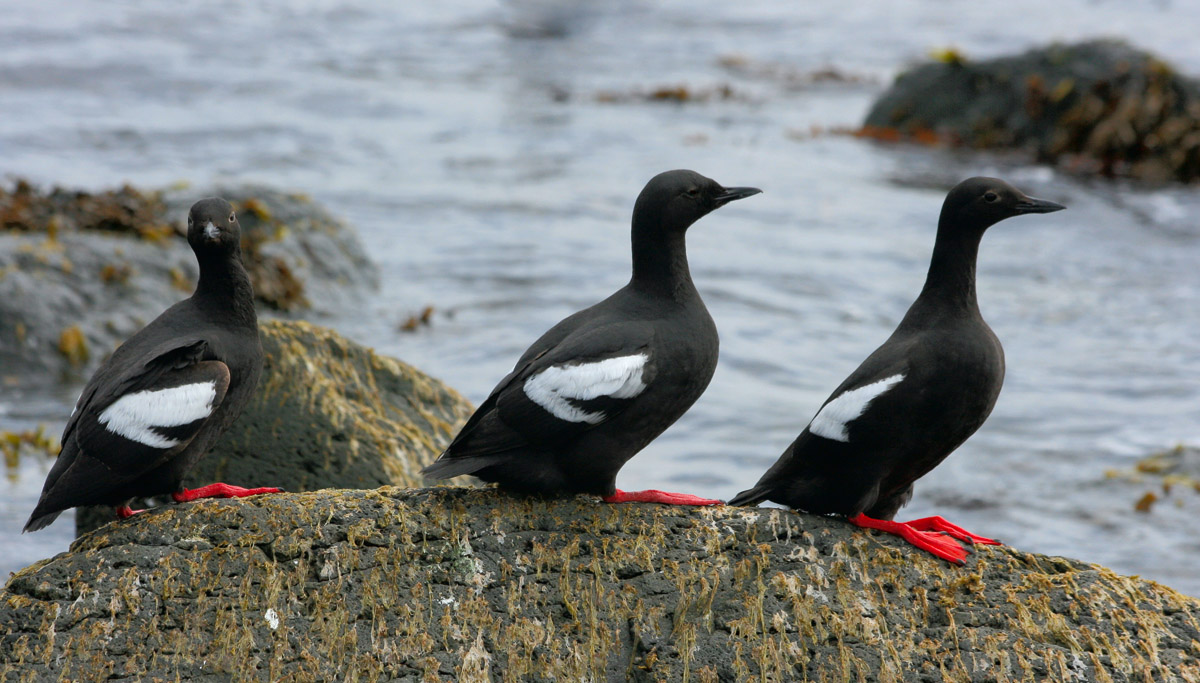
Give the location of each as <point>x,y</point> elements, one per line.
<point>489,154</point>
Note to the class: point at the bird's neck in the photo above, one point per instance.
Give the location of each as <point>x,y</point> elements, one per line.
<point>950,283</point>
<point>225,287</point>
<point>660,264</point>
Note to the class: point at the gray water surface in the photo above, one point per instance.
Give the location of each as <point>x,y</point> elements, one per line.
<point>489,180</point>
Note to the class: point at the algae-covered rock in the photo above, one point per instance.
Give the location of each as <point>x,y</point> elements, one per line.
<point>328,413</point>
<point>80,272</point>
<point>474,585</point>
<point>299,256</point>
<point>1100,106</point>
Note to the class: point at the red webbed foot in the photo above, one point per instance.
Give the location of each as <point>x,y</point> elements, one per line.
<point>937,523</point>
<point>654,496</point>
<point>933,542</point>
<point>125,512</point>
<point>220,491</point>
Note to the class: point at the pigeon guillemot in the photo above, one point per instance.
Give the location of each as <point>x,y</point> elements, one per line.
<point>915,399</point>
<point>604,382</point>
<point>168,392</point>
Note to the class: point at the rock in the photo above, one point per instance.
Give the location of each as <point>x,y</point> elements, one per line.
<point>1099,106</point>
<point>299,256</point>
<point>328,413</point>
<point>81,272</point>
<point>474,585</point>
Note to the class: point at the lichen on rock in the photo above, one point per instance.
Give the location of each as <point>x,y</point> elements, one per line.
<point>454,584</point>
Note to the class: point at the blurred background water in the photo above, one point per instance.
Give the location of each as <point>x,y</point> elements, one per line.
<point>489,155</point>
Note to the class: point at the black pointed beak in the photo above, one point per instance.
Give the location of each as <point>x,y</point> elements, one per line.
<point>1031,205</point>
<point>730,194</point>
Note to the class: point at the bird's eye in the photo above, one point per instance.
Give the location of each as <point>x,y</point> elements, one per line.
<point>990,197</point>
<point>232,217</point>
<point>189,221</point>
<point>693,193</point>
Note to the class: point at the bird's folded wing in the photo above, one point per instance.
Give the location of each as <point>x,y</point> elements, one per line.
<point>136,421</point>
<point>580,383</point>
<point>115,377</point>
<point>852,401</point>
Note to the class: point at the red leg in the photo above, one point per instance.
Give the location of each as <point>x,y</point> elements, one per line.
<point>124,512</point>
<point>219,491</point>
<point>654,496</point>
<point>937,523</point>
<point>932,542</point>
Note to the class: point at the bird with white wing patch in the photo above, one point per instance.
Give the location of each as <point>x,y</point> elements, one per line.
<point>914,400</point>
<point>555,387</point>
<point>846,407</point>
<point>166,394</point>
<point>138,415</point>
<point>605,382</point>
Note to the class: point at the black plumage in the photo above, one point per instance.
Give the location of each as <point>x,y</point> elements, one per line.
<point>603,383</point>
<point>166,394</point>
<point>916,398</point>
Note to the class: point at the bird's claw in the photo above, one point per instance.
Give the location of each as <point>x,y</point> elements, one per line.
<point>220,491</point>
<point>125,512</point>
<point>937,523</point>
<point>934,535</point>
<point>655,496</point>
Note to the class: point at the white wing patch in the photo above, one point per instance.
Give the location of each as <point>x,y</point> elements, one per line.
<point>831,421</point>
<point>134,416</point>
<point>554,387</point>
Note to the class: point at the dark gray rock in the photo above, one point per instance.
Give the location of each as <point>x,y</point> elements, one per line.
<point>474,585</point>
<point>1094,107</point>
<point>299,256</point>
<point>60,315</point>
<point>81,272</point>
<point>328,413</point>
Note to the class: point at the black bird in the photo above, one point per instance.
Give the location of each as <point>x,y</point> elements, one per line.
<point>604,382</point>
<point>915,399</point>
<point>168,392</point>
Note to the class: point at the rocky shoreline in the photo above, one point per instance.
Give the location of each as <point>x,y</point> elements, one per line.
<point>358,574</point>
<point>474,585</point>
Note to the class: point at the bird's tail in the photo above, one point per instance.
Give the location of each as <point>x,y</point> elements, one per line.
<point>40,520</point>
<point>452,466</point>
<point>752,496</point>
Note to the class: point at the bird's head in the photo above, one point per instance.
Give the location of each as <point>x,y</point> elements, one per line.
<point>673,200</point>
<point>213,226</point>
<point>978,203</point>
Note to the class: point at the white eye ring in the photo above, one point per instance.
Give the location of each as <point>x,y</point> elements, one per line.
<point>232,217</point>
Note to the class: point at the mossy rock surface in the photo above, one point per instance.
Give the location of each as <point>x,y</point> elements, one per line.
<point>1100,106</point>
<point>80,272</point>
<point>328,413</point>
<point>455,584</point>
